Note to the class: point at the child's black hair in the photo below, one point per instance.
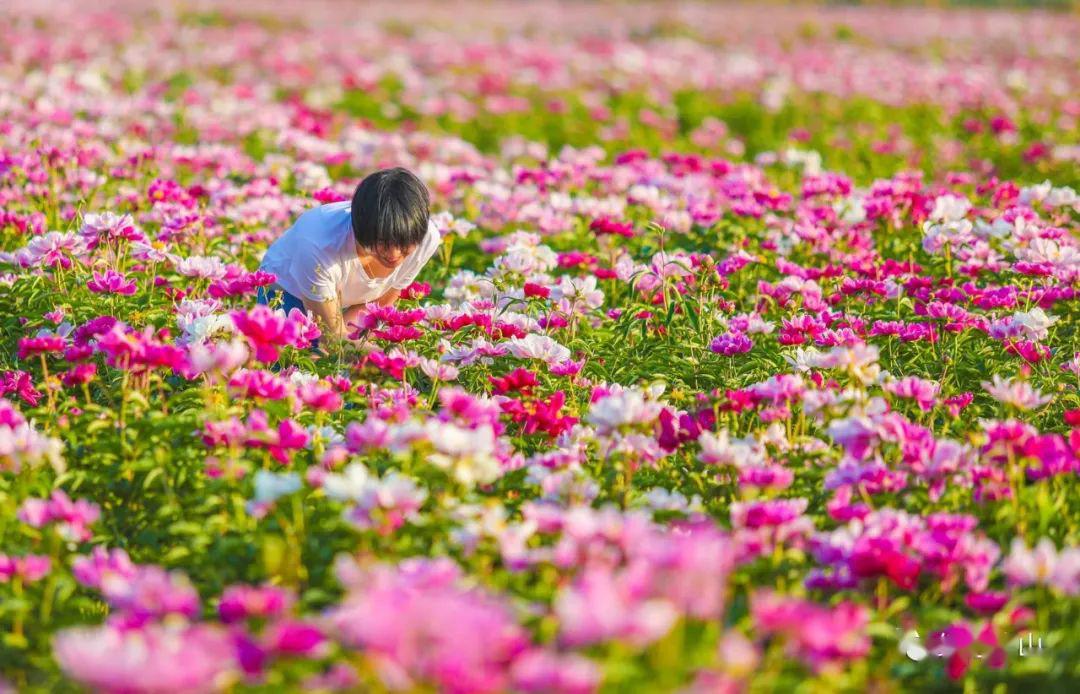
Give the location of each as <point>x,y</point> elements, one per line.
<point>390,210</point>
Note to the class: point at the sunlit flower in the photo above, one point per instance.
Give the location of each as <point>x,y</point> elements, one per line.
<point>1017,393</point>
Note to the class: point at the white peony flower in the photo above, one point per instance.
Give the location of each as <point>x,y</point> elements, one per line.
<point>355,483</point>
<point>271,486</point>
<point>720,449</point>
<point>950,208</point>
<point>1034,324</point>
<point>627,408</point>
<point>534,346</point>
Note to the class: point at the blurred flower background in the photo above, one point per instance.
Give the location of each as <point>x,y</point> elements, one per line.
<point>749,360</point>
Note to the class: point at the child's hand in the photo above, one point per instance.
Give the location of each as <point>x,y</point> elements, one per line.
<point>355,333</point>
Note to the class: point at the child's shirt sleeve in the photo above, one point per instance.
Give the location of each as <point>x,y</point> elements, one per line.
<point>419,258</point>
<point>313,275</point>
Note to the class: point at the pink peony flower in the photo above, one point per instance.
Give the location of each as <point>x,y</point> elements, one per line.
<point>111,282</point>
<point>72,517</point>
<point>29,568</point>
<point>549,672</point>
<point>1043,565</point>
<point>268,330</point>
<point>731,343</point>
<point>241,602</point>
<point>923,392</point>
<point>819,636</point>
<point>470,639</point>
<point>1017,393</point>
<point>154,658</point>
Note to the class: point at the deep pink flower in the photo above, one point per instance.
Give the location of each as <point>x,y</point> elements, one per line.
<point>20,383</point>
<point>288,436</point>
<point>46,344</point>
<point>140,351</point>
<point>240,602</point>
<point>398,333</point>
<point>78,374</point>
<point>959,644</point>
<point>269,330</point>
<point>112,282</point>
<point>255,383</point>
<point>293,637</point>
<point>536,290</point>
<point>986,603</point>
<point>731,343</point>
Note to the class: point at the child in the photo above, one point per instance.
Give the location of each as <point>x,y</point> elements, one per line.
<point>340,256</point>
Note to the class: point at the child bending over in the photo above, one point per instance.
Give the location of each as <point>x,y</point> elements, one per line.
<point>337,257</point>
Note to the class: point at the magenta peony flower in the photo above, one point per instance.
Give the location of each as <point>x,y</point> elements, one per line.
<point>111,282</point>
<point>268,330</point>
<point>241,602</point>
<point>731,343</point>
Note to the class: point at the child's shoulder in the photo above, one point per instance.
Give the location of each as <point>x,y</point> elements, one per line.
<point>434,234</point>
<point>327,216</point>
<point>323,226</point>
<point>332,209</point>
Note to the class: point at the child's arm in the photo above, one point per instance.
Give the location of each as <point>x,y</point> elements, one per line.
<point>352,313</point>
<point>389,297</point>
<point>328,315</point>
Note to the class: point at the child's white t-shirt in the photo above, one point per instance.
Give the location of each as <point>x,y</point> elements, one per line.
<point>315,259</point>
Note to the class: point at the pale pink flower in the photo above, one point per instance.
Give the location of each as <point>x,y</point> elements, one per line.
<point>720,449</point>
<point>534,346</point>
<point>629,408</point>
<point>438,371</point>
<point>1043,565</point>
<point>1017,393</point>
<point>923,392</point>
<point>154,658</point>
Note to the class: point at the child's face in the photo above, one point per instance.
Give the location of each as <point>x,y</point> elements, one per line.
<point>386,260</point>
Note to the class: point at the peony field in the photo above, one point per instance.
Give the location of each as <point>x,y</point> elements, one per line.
<point>748,360</point>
